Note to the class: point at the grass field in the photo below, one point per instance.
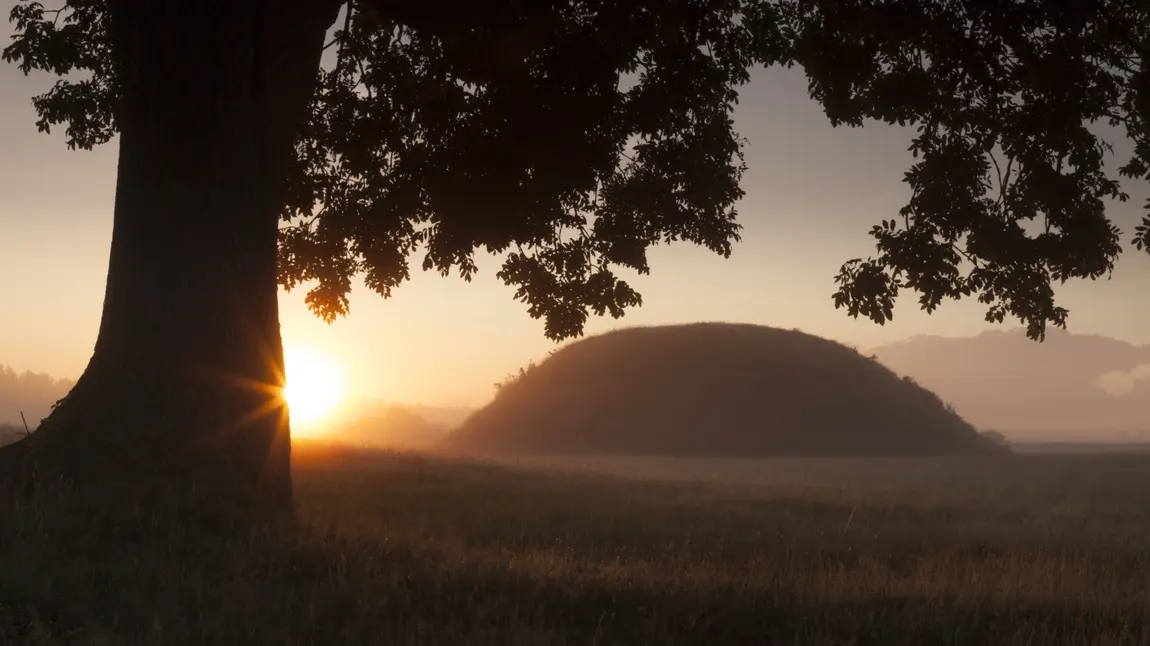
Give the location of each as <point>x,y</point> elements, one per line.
<point>403,549</point>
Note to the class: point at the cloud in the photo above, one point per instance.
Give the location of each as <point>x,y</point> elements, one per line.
<point>1123,382</point>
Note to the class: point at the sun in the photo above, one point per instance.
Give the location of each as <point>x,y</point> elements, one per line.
<point>314,386</point>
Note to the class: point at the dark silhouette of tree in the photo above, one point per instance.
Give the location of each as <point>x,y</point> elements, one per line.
<point>458,125</point>
<point>996,437</point>
<point>516,377</point>
<point>1002,94</point>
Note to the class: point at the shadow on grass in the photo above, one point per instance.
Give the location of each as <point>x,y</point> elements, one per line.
<point>402,550</point>
<point>136,581</point>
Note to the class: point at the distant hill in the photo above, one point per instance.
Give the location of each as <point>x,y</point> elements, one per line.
<point>710,390</point>
<point>30,393</point>
<point>1070,387</point>
<point>382,425</point>
<point>442,416</point>
<point>446,417</point>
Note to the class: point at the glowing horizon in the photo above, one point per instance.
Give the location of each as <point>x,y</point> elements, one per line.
<point>314,388</point>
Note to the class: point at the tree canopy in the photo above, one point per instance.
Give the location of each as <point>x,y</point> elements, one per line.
<point>574,135</point>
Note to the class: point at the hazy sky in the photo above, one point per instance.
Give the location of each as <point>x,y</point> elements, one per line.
<point>812,194</point>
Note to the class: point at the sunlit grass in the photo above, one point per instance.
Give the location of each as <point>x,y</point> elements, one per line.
<point>404,549</point>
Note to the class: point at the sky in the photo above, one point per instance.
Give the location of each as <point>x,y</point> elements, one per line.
<point>812,193</point>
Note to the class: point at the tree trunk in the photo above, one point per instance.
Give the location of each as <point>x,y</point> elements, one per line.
<point>182,392</point>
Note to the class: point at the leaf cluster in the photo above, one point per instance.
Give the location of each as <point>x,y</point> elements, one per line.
<point>69,40</point>
<point>567,138</point>
<point>1009,189</point>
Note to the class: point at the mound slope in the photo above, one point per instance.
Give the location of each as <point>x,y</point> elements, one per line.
<point>712,390</point>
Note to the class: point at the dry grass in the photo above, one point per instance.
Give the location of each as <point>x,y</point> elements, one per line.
<point>401,549</point>
<point>10,433</point>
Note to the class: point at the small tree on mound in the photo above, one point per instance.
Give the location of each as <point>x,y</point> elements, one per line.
<point>995,437</point>
<point>512,379</point>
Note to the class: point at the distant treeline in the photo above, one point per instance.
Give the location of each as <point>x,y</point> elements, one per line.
<point>30,393</point>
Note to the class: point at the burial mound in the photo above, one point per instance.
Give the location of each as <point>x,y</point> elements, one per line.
<point>715,390</point>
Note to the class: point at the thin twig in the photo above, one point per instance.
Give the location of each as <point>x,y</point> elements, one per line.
<point>849,519</point>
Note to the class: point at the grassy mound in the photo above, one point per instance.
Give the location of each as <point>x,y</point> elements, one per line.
<point>715,390</point>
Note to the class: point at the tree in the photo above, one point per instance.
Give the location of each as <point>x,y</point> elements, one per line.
<point>571,135</point>
<point>435,127</point>
<point>996,437</point>
<point>1009,193</point>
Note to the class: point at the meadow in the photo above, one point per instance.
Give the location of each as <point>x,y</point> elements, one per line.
<point>404,549</point>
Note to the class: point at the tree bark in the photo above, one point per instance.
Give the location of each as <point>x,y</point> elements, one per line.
<point>183,390</point>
